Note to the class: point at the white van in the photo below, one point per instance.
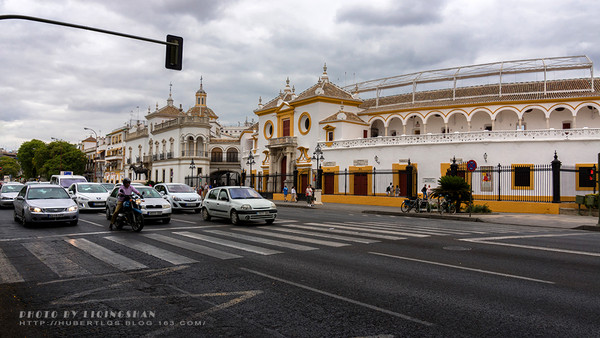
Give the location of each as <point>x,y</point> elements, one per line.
<point>65,181</point>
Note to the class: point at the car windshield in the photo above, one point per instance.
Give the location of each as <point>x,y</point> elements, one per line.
<point>148,192</point>
<point>179,188</point>
<point>91,188</point>
<point>108,186</point>
<point>11,187</point>
<point>66,182</point>
<point>47,193</point>
<point>243,193</point>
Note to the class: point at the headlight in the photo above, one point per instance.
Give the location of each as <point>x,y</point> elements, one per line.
<point>246,207</point>
<point>176,198</point>
<point>166,206</point>
<point>273,205</point>
<point>35,209</point>
<point>142,206</point>
<point>73,208</point>
<point>138,202</point>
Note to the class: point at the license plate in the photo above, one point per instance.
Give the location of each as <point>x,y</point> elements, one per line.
<point>54,215</point>
<point>184,204</point>
<point>154,213</point>
<point>263,212</point>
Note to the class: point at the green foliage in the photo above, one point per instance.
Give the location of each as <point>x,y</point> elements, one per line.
<point>479,209</point>
<point>26,154</point>
<point>9,166</point>
<point>453,188</point>
<point>591,201</point>
<point>59,156</point>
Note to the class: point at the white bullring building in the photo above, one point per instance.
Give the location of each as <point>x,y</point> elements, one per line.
<point>509,118</point>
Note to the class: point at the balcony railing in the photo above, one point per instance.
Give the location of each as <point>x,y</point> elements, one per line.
<point>182,121</point>
<point>185,153</point>
<point>283,142</point>
<point>136,134</point>
<point>471,137</point>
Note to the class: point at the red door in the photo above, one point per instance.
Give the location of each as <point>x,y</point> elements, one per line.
<point>360,184</point>
<point>329,183</point>
<point>402,182</point>
<point>286,127</point>
<point>283,172</point>
<point>303,184</point>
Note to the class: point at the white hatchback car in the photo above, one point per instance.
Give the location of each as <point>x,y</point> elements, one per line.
<point>8,192</point>
<point>89,196</point>
<point>238,204</point>
<point>181,196</point>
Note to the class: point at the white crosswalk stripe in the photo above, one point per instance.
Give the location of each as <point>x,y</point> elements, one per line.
<point>152,250</point>
<point>118,261</point>
<point>326,235</point>
<point>55,260</point>
<point>294,238</point>
<point>193,247</point>
<point>267,241</point>
<point>231,244</point>
<point>331,229</point>
<point>341,226</point>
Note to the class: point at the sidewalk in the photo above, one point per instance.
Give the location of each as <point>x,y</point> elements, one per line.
<point>537,220</point>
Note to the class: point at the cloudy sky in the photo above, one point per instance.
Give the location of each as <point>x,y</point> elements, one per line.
<point>55,80</point>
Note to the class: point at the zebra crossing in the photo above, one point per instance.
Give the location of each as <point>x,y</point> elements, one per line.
<point>175,246</point>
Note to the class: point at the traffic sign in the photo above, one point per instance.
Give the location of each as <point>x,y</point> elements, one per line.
<point>471,165</point>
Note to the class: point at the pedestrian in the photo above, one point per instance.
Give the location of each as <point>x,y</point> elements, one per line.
<point>397,190</point>
<point>429,191</point>
<point>285,192</point>
<point>424,191</point>
<point>390,189</point>
<point>309,195</point>
<point>294,197</point>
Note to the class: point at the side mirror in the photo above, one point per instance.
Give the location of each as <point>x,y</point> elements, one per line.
<point>20,198</point>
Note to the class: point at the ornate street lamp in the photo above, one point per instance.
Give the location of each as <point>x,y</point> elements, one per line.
<point>318,155</point>
<point>250,162</point>
<point>95,152</point>
<point>192,167</point>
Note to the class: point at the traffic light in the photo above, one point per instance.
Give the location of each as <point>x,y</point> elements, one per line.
<point>174,57</point>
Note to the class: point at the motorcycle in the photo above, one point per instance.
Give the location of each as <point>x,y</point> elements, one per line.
<point>130,214</point>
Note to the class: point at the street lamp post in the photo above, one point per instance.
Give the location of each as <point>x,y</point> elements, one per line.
<point>250,162</point>
<point>318,156</point>
<point>95,152</point>
<point>192,167</point>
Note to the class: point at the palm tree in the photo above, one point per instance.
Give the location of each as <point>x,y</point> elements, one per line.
<point>453,188</point>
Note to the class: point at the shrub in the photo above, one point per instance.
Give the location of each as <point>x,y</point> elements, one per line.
<point>479,209</point>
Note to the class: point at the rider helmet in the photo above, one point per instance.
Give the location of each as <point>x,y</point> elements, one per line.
<point>127,180</point>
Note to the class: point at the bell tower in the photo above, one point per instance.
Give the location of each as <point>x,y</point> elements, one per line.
<point>201,96</point>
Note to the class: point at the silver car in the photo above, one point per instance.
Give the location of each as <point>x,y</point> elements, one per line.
<point>154,207</point>
<point>8,192</point>
<point>181,196</point>
<point>44,203</point>
<point>238,204</point>
<point>89,196</point>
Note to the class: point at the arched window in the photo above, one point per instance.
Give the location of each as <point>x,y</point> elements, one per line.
<point>232,155</point>
<point>216,155</point>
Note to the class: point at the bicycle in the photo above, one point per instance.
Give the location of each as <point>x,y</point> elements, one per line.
<point>446,206</point>
<point>418,204</point>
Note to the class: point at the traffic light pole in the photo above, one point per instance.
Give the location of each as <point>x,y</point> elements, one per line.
<point>172,41</point>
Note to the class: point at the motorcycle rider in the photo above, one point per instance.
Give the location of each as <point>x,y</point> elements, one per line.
<point>125,190</point>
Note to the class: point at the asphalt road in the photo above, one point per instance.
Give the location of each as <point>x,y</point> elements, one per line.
<point>312,273</point>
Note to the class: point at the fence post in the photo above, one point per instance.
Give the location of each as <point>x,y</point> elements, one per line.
<point>374,174</point>
<point>499,179</point>
<point>409,180</point>
<point>556,179</point>
<point>345,181</point>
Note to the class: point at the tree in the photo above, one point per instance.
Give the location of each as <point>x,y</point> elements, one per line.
<point>9,166</point>
<point>59,156</point>
<point>25,155</point>
<point>454,188</point>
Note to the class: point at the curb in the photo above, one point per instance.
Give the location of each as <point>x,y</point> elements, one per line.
<point>428,215</point>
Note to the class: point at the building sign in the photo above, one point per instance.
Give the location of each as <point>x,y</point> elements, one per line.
<point>360,163</point>
<point>486,178</point>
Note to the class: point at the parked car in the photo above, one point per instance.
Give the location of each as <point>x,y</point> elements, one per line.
<point>181,196</point>
<point>65,181</point>
<point>89,196</point>
<point>154,207</point>
<point>44,203</point>
<point>36,182</point>
<point>238,204</point>
<point>8,192</point>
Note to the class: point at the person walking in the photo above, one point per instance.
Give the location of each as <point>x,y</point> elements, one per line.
<point>397,191</point>
<point>390,190</point>
<point>424,191</point>
<point>293,198</point>
<point>285,193</point>
<point>309,195</point>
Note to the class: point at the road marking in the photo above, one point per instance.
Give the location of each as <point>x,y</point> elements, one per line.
<point>463,268</point>
<point>283,244</point>
<point>369,306</point>
<point>326,235</point>
<point>93,223</point>
<point>8,273</point>
<point>152,250</point>
<point>347,232</point>
<point>183,221</point>
<point>231,244</point>
<point>118,261</point>
<point>294,238</point>
<point>193,247</point>
<point>489,240</point>
<point>56,261</point>
<point>342,226</point>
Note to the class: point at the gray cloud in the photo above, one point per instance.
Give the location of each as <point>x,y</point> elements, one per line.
<point>396,13</point>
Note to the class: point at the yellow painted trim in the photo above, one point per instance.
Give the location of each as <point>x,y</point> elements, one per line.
<point>280,118</point>
<point>347,102</point>
<point>577,187</point>
<point>266,153</point>
<point>300,127</point>
<point>335,178</point>
<point>354,170</point>
<point>269,122</point>
<point>531,180</point>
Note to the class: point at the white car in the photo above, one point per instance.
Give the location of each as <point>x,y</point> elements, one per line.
<point>154,207</point>
<point>89,196</point>
<point>8,192</point>
<point>238,204</point>
<point>181,196</point>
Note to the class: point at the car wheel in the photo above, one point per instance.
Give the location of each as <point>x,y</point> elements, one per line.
<point>15,217</point>
<point>108,214</point>
<point>205,214</point>
<point>235,219</point>
<point>23,220</point>
<point>269,221</point>
<point>167,220</point>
